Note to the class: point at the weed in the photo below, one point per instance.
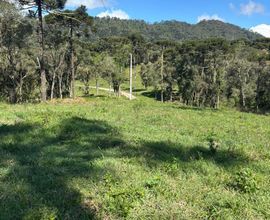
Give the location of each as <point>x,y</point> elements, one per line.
<point>245,181</point>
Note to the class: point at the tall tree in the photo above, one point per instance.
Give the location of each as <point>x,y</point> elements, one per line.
<point>263,87</point>
<point>78,21</point>
<point>16,64</point>
<point>42,6</point>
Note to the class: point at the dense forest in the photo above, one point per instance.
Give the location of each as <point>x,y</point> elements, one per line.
<point>42,55</point>
<point>171,30</point>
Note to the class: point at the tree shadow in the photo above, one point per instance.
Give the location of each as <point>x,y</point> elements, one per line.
<point>40,166</point>
<point>90,95</point>
<point>152,95</point>
<point>193,108</point>
<point>139,90</point>
<point>157,153</point>
<point>156,95</point>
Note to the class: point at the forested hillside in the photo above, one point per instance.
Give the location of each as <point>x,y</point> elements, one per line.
<point>204,73</point>
<point>172,30</point>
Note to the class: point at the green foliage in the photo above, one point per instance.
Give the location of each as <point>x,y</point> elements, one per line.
<point>50,4</point>
<point>171,30</point>
<point>17,67</point>
<point>221,209</point>
<point>245,181</point>
<point>203,73</point>
<point>75,19</point>
<point>151,183</point>
<point>263,88</point>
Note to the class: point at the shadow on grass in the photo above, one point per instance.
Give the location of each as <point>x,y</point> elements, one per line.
<point>151,94</point>
<point>158,152</point>
<point>194,108</point>
<point>88,95</point>
<point>41,164</point>
<point>139,90</point>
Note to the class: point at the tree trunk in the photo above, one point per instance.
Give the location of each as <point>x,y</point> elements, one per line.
<point>162,77</point>
<point>242,97</point>
<point>20,88</point>
<point>242,92</point>
<point>130,77</point>
<point>56,68</point>
<point>12,95</point>
<point>53,84</point>
<point>97,85</point>
<point>218,100</point>
<point>86,88</point>
<point>257,91</point>
<point>43,87</point>
<point>72,87</point>
<point>135,74</point>
<point>162,96</point>
<point>60,87</point>
<point>156,94</point>
<point>72,66</point>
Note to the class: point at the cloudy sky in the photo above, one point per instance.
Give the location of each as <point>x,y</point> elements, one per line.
<point>250,14</point>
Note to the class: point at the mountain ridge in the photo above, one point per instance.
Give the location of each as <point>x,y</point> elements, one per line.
<point>172,29</point>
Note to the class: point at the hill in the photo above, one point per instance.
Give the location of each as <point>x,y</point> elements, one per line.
<point>173,30</point>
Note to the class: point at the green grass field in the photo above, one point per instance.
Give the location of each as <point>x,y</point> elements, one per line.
<point>109,158</point>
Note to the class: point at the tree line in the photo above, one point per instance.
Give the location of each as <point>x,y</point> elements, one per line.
<point>212,72</point>
<point>37,51</point>
<point>46,49</point>
<point>171,30</point>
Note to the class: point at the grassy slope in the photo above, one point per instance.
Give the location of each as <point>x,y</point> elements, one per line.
<point>108,157</point>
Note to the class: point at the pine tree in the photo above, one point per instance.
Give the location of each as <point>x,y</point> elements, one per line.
<point>42,6</point>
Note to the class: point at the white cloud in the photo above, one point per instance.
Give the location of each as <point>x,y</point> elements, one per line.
<point>210,17</point>
<point>90,4</point>
<point>262,29</point>
<point>114,14</point>
<point>251,8</point>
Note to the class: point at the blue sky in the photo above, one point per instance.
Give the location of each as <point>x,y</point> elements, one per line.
<point>245,13</point>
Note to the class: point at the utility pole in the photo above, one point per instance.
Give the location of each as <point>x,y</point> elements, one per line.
<point>130,78</point>
<point>72,82</point>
